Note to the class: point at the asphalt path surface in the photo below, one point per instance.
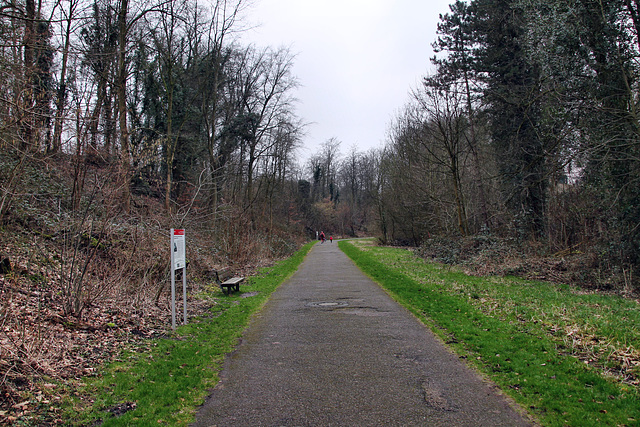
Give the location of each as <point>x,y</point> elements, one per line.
<point>331,348</point>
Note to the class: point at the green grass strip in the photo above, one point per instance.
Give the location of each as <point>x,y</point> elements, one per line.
<point>503,327</point>
<point>171,377</point>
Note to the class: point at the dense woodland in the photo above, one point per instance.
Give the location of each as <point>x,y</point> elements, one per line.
<point>120,120</point>
<point>527,130</point>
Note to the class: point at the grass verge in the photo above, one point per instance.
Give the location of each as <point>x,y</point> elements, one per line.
<point>163,382</point>
<point>565,356</point>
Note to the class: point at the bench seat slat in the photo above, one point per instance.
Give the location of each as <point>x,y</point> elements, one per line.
<point>232,284</point>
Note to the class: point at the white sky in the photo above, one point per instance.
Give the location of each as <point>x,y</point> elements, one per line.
<point>356,61</point>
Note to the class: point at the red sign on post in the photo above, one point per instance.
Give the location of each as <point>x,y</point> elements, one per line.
<point>178,262</point>
<point>178,254</point>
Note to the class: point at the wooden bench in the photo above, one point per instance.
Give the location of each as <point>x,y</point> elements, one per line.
<point>232,284</point>
<point>227,284</point>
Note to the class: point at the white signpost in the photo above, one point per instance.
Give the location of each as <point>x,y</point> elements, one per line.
<point>178,262</point>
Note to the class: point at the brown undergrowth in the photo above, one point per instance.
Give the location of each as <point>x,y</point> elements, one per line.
<point>581,265</point>
<point>80,282</point>
<point>47,350</point>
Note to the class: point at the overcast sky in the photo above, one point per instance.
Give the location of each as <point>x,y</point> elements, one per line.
<point>356,61</point>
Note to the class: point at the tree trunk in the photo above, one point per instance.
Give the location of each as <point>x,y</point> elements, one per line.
<point>461,212</point>
<point>27,119</point>
<point>171,145</point>
<point>477,169</point>
<point>62,89</point>
<point>125,163</point>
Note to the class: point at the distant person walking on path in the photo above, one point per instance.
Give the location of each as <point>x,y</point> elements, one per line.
<point>331,239</point>
<point>322,238</point>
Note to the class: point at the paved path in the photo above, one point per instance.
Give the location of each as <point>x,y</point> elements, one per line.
<point>331,348</point>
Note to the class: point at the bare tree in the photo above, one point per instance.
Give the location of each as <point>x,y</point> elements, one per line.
<point>168,34</point>
<point>444,128</point>
<point>68,21</point>
<point>213,53</point>
<point>127,22</point>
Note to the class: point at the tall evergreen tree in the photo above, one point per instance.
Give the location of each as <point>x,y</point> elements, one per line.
<point>512,96</point>
<point>613,146</point>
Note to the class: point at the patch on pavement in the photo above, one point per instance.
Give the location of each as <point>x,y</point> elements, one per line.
<point>434,398</point>
<point>327,304</point>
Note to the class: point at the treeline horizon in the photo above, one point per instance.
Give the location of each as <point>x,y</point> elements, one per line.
<point>526,130</point>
